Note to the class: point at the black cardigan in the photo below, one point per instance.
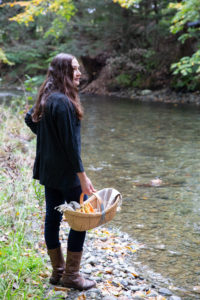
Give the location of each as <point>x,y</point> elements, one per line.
<point>58,147</point>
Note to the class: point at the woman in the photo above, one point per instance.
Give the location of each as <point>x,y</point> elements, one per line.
<point>55,119</point>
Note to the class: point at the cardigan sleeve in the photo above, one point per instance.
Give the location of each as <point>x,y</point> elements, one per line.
<point>28,120</point>
<point>69,136</point>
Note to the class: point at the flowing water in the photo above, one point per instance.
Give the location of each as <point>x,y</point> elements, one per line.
<point>125,145</point>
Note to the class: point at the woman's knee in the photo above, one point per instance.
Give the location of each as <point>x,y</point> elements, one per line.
<point>53,220</point>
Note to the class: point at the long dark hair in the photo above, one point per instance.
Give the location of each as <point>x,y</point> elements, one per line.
<point>59,78</point>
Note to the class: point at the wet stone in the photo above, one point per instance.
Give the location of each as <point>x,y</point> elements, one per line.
<point>165,292</point>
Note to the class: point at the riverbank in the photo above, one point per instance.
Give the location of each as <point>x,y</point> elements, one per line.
<point>25,265</point>
<point>165,95</point>
<point>108,252</point>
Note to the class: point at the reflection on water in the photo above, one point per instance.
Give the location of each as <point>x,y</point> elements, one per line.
<point>125,146</point>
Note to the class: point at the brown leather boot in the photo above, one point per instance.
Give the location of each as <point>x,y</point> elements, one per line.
<point>71,277</point>
<point>58,264</point>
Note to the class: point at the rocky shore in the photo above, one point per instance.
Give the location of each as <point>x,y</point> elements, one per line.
<point>162,96</point>
<point>165,95</point>
<point>107,259</point>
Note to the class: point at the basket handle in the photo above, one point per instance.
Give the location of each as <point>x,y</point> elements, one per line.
<point>98,198</point>
<point>100,204</point>
<point>81,198</point>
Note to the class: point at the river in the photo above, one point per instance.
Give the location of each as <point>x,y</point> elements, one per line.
<point>127,144</point>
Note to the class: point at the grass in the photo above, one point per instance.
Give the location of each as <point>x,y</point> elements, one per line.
<point>23,268</point>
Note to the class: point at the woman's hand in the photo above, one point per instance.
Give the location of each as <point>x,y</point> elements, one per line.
<point>86,184</point>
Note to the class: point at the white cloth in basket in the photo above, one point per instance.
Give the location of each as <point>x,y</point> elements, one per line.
<point>108,197</point>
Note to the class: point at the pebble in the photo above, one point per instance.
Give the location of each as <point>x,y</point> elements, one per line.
<point>124,282</point>
<point>152,294</point>
<point>110,265</point>
<point>104,239</point>
<point>165,292</point>
<point>92,260</point>
<point>87,271</point>
<point>135,288</point>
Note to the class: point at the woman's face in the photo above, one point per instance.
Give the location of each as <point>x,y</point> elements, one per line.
<point>76,72</point>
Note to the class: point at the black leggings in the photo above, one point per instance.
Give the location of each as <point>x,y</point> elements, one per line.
<point>53,218</point>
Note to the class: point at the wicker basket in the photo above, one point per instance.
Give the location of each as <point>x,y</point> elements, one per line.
<point>80,221</point>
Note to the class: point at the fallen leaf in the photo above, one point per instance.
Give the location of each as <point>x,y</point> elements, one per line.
<point>60,288</point>
<point>81,297</point>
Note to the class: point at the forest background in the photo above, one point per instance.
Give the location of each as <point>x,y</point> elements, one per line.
<point>122,44</point>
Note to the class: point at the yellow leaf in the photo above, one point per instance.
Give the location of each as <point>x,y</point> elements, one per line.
<point>60,288</point>
<point>17,213</point>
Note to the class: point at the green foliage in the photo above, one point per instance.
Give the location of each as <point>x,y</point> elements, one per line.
<point>131,68</point>
<point>187,11</point>
<point>32,83</point>
<point>90,27</point>
<point>187,70</point>
<point>123,80</point>
<point>21,265</point>
<point>39,193</point>
<point>35,8</point>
